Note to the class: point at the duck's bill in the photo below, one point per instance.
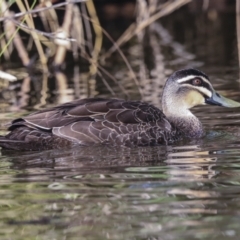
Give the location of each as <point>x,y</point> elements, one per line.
<point>219,100</point>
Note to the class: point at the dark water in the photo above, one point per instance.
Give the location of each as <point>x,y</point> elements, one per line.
<point>180,192</point>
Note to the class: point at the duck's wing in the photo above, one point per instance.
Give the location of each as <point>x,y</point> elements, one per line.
<point>99,120</point>
<point>93,109</point>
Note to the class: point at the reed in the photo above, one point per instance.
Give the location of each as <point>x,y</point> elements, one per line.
<point>80,33</point>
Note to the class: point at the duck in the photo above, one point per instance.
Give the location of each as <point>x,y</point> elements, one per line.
<point>117,122</point>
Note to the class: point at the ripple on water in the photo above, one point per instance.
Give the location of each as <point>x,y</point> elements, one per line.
<point>179,192</point>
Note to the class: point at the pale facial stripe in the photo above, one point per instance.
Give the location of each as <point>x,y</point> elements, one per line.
<point>199,88</point>
<point>185,79</point>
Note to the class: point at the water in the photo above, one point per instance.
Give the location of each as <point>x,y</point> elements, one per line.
<point>189,190</point>
<point>175,192</point>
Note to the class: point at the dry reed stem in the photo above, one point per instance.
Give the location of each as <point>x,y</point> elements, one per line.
<point>118,50</point>
<point>41,35</point>
<point>34,35</point>
<point>97,44</point>
<point>152,6</point>
<point>136,28</point>
<point>77,33</point>
<point>87,26</point>
<point>61,50</point>
<point>37,36</point>
<point>13,35</point>
<point>238,28</point>
<point>97,29</point>
<point>17,15</point>
<point>49,18</point>
<point>99,67</point>
<point>106,83</point>
<point>8,50</point>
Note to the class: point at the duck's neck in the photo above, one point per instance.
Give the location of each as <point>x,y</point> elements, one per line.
<point>186,123</point>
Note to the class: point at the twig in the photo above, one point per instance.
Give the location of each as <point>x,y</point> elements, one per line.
<point>40,9</point>
<point>113,78</point>
<point>135,29</point>
<point>86,56</point>
<point>117,48</point>
<point>49,35</point>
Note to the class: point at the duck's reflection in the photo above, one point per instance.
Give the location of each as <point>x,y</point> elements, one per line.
<point>171,162</point>
<point>142,188</point>
<point>190,162</point>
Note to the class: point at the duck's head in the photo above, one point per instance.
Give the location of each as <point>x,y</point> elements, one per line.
<point>187,88</point>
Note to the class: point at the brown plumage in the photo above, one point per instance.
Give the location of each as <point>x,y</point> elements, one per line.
<point>90,121</point>
<point>118,122</point>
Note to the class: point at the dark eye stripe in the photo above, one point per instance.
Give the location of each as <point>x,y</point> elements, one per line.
<point>203,84</point>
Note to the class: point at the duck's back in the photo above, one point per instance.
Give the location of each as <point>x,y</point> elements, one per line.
<point>90,121</point>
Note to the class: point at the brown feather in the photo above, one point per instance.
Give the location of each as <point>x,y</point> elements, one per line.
<point>90,121</point>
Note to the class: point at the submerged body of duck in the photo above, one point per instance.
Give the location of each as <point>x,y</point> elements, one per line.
<point>119,122</point>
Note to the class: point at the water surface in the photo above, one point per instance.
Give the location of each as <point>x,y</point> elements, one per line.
<point>189,190</point>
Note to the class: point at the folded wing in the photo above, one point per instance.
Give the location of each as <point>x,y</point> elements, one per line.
<point>98,120</point>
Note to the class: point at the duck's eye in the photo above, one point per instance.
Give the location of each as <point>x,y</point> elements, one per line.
<point>196,81</point>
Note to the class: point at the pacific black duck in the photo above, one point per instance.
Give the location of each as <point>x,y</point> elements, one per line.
<point>119,122</point>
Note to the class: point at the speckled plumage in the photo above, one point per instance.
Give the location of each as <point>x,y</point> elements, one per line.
<point>118,122</point>
<point>91,121</point>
